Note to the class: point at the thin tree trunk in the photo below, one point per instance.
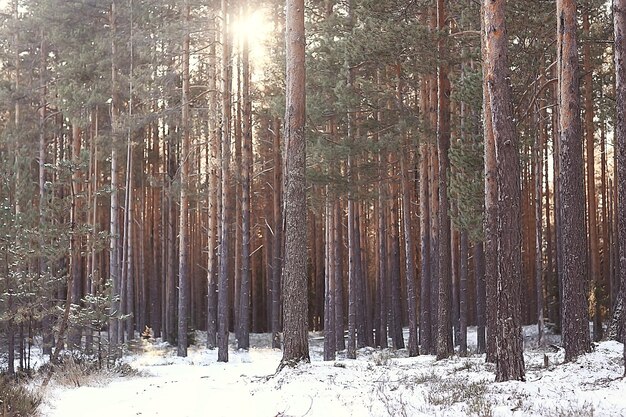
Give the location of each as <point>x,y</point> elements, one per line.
<point>114,230</point>
<point>383,288</point>
<point>183,229</point>
<point>244,296</point>
<point>491,210</point>
<point>277,244</point>
<point>619,16</point>
<point>409,257</point>
<point>425,252</point>
<point>214,179</point>
<point>592,206</point>
<point>330,343</point>
<point>463,295</point>
<point>224,253</point>
<point>479,273</point>
<point>540,139</point>
<point>444,325</point>
<point>339,285</point>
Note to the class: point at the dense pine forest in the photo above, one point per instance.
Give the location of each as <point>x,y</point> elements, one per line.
<point>353,167</point>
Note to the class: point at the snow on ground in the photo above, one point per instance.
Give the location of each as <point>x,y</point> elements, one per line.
<point>378,383</point>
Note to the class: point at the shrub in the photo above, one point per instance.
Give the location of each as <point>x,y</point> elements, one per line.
<point>16,400</point>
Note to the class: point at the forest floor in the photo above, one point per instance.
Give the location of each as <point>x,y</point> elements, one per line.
<point>378,383</point>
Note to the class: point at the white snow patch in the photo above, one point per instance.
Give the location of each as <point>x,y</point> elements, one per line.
<point>378,383</point>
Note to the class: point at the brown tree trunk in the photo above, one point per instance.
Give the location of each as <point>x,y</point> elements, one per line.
<point>183,229</point>
<point>223,304</point>
<point>214,197</point>
<point>540,139</point>
<point>463,294</point>
<point>330,343</point>
<point>592,206</point>
<point>491,209</point>
<point>114,230</point>
<point>619,16</point>
<point>510,356</point>
<point>409,258</point>
<point>571,187</point>
<point>244,296</point>
<point>383,287</point>
<point>479,273</point>
<point>444,325</point>
<point>425,252</point>
<point>296,344</point>
<point>277,243</point>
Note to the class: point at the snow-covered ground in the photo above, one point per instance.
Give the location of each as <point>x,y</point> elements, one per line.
<point>378,383</point>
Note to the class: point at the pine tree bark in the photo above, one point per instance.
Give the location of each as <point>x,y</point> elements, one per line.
<point>223,294</point>
<point>540,139</point>
<point>183,229</point>
<point>114,230</point>
<point>592,206</point>
<point>463,293</point>
<point>444,325</point>
<point>619,17</point>
<point>383,287</point>
<point>479,273</point>
<point>330,343</point>
<point>491,209</point>
<point>424,199</point>
<point>214,149</point>
<point>409,258</point>
<point>244,296</point>
<point>393,246</point>
<point>571,187</point>
<point>277,243</point>
<point>296,344</point>
<point>510,356</point>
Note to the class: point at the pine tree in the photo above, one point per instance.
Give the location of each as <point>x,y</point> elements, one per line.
<point>296,346</point>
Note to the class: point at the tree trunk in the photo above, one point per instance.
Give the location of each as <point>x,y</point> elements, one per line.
<point>330,343</point>
<point>463,295</point>
<point>223,296</point>
<point>619,16</point>
<point>571,187</point>
<point>409,258</point>
<point>244,296</point>
<point>540,139</point>
<point>444,325</point>
<point>425,252</point>
<point>479,273</point>
<point>183,229</point>
<point>214,149</point>
<point>383,287</point>
<point>114,230</point>
<point>277,243</point>
<point>592,207</point>
<point>296,344</point>
<point>510,357</point>
<point>491,210</point>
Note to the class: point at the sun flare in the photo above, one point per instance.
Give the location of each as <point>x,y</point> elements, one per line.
<point>256,28</point>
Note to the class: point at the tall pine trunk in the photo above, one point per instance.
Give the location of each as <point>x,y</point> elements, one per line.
<point>571,187</point>
<point>510,356</point>
<point>246,167</point>
<point>619,16</point>
<point>183,228</point>
<point>296,344</point>
<point>444,325</point>
<point>223,293</point>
